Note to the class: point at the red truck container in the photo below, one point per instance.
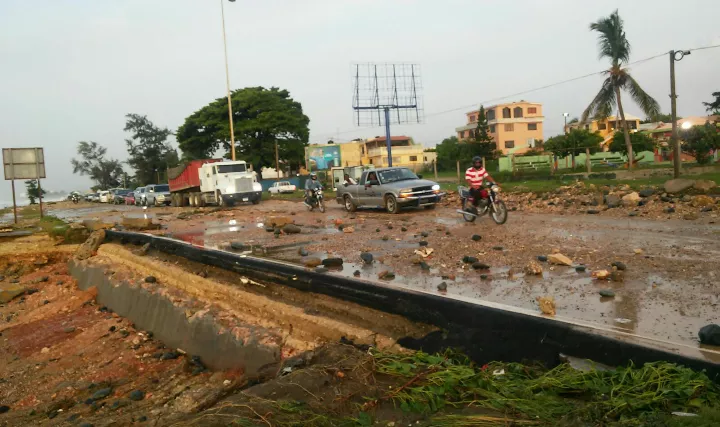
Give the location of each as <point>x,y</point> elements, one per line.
<point>186,179</point>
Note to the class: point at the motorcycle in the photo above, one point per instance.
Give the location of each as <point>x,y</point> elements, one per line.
<point>75,198</point>
<point>317,200</point>
<point>493,205</point>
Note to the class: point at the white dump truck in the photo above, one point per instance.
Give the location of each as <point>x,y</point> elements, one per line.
<point>213,182</point>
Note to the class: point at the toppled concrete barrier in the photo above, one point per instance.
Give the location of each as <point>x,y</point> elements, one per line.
<point>90,246</point>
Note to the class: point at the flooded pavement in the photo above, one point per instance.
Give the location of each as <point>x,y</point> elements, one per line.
<point>668,291</point>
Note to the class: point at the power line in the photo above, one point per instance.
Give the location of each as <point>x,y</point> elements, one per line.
<point>529,90</point>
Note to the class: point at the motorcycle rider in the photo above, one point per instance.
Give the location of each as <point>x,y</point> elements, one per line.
<point>310,185</point>
<point>474,177</point>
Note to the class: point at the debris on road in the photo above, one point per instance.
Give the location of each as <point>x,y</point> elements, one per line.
<point>606,293</point>
<point>547,305</point>
<point>601,274</point>
<point>424,251</point>
<point>710,334</point>
<point>533,268</point>
<point>559,259</point>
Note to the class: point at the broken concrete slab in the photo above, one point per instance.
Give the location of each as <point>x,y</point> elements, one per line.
<point>9,291</point>
<point>678,185</point>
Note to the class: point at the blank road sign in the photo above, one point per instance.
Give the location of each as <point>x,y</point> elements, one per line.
<point>23,163</point>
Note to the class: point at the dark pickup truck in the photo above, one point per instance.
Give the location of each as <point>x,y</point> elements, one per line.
<point>391,189</point>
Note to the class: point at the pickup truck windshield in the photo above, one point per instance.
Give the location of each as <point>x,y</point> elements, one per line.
<point>395,175</point>
<point>231,168</point>
<point>161,188</point>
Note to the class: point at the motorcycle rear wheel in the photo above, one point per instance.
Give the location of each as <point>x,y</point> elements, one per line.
<point>468,218</point>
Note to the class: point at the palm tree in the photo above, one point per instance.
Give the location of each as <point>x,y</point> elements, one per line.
<point>614,45</point>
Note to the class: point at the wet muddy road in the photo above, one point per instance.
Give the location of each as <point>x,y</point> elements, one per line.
<point>670,287</point>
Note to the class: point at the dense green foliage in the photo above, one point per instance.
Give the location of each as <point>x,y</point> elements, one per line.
<point>574,142</point>
<point>485,146</point>
<point>149,152</point>
<point>33,191</point>
<point>107,173</point>
<point>713,107</point>
<point>261,117</point>
<point>640,142</point>
<point>700,141</point>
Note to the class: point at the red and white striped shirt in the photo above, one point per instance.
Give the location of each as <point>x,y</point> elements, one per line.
<point>475,176</point>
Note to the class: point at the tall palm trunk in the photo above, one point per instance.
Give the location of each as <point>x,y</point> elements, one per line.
<point>626,132</point>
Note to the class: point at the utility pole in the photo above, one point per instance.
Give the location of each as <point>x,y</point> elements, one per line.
<point>675,144</point>
<point>277,161</point>
<point>227,82</point>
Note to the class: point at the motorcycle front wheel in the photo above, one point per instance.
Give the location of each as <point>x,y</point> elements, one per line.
<point>499,212</point>
<point>321,206</point>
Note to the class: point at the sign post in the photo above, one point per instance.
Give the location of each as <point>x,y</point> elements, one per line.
<point>24,163</point>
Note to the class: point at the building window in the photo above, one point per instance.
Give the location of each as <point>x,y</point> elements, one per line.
<point>371,161</point>
<point>532,110</point>
<point>425,158</point>
<point>472,119</point>
<point>413,158</point>
<point>490,114</point>
<point>632,125</point>
<point>587,127</point>
<point>532,126</point>
<point>509,144</point>
<point>492,128</point>
<point>506,113</point>
<point>517,112</point>
<point>602,126</point>
<point>509,127</point>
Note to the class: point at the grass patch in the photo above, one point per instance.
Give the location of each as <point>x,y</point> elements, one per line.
<point>298,195</point>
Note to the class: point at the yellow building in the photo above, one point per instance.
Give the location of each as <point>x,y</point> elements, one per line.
<point>515,127</point>
<point>371,151</point>
<point>607,127</point>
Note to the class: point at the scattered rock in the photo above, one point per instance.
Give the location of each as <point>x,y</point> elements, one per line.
<point>476,237</point>
<point>366,257</point>
<point>606,293</point>
<point>424,234</point>
<point>90,246</point>
<point>704,185</point>
<point>10,291</point>
<point>669,210</point>
<point>547,305</point>
<point>4,409</point>
<point>646,192</point>
<point>666,199</point>
<point>617,276</point>
<point>136,395</point>
<point>348,230</point>
<point>170,355</point>
<point>631,199</point>
<point>356,273</point>
<point>385,238</point>
<point>469,259</point>
<point>593,211</point>
<point>403,229</point>
<point>386,275</point>
<point>498,248</point>
<point>377,230</point>
<point>442,286</point>
<point>423,243</point>
<point>601,274</point>
<point>691,216</point>
<point>633,213</point>
<point>101,394</point>
<point>478,265</point>
<point>389,226</point>
<point>612,201</point>
<point>332,262</point>
<point>278,221</point>
<point>619,265</point>
<point>559,259</point>
<point>151,279</point>
<point>707,209</point>
<point>710,334</point>
<point>686,198</point>
<point>702,201</point>
<point>312,262</point>
<point>139,223</point>
<point>533,268</point>
<point>238,246</point>
<point>638,251</point>
<point>678,185</point>
<point>303,252</point>
<point>291,229</point>
<point>580,268</point>
<point>483,276</point>
<point>643,202</point>
<point>86,425</point>
<point>69,330</point>
<point>542,258</point>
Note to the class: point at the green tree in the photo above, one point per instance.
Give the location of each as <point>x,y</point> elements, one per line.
<point>106,173</point>
<point>485,147</point>
<point>261,118</point>
<point>148,149</point>
<point>700,141</point>
<point>614,46</point>
<point>665,118</point>
<point>640,142</point>
<point>714,106</point>
<point>574,142</point>
<point>33,190</point>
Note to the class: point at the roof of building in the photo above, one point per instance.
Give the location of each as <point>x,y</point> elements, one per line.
<point>504,104</point>
<point>392,138</point>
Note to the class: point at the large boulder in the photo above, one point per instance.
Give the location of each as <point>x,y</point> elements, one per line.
<point>631,199</point>
<point>647,192</point>
<point>704,185</point>
<point>710,334</point>
<point>8,291</point>
<point>612,201</point>
<point>702,201</point>
<point>678,185</point>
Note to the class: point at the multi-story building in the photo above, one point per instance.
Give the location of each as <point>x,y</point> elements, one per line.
<point>515,127</point>
<point>371,151</point>
<point>607,127</point>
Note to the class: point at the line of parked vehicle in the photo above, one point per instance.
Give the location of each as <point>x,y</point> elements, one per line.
<point>150,195</point>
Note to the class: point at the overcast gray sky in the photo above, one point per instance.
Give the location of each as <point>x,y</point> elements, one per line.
<point>72,69</point>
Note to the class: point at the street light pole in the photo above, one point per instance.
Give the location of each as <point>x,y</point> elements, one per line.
<point>227,82</point>
<point>674,141</point>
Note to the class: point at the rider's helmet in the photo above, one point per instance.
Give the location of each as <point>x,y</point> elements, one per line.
<point>476,160</point>
<point>313,175</point>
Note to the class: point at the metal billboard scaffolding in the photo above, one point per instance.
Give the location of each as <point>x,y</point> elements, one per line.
<point>386,94</point>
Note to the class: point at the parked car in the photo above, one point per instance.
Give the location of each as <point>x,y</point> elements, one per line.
<point>130,198</point>
<point>140,196</point>
<point>282,187</point>
<point>104,196</point>
<point>119,195</point>
<point>157,195</point>
<point>391,189</point>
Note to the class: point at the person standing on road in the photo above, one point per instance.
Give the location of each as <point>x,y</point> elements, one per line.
<point>310,185</point>
<point>474,177</point>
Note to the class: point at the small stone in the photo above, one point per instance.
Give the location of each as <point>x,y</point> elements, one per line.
<point>707,209</point>
<point>619,265</point>
<point>86,425</point>
<point>143,418</point>
<point>617,276</point>
<point>112,328</point>
<point>593,211</point>
<point>170,355</point>
<point>403,229</point>
<point>580,268</point>
<point>469,259</point>
<point>60,282</point>
<point>332,262</point>
<point>69,330</point>
<point>606,293</point>
<point>424,234</point>
<point>124,333</point>
<point>45,350</point>
<point>386,275</point>
<point>710,334</point>
<point>366,257</point>
<point>690,216</point>
<point>498,248</point>
<point>476,237</point>
<point>646,192</point>
<point>136,395</point>
<point>669,210</point>
<point>151,279</point>
<point>678,185</point>
<point>633,213</point>
<point>238,246</point>
<point>321,269</point>
<point>377,230</point>
<point>312,262</point>
<point>101,394</point>
<point>483,276</point>
<point>385,238</point>
<point>666,199</point>
<point>389,227</point>
<point>547,305</point>
<point>533,268</point>
<point>542,258</point>
<point>356,273</point>
<point>45,302</point>
<point>638,251</point>
<point>442,286</point>
<point>480,266</point>
<point>42,279</point>
<point>144,249</point>
<point>4,409</point>
<point>559,259</point>
<point>348,230</point>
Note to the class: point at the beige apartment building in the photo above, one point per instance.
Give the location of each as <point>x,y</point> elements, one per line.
<point>515,127</point>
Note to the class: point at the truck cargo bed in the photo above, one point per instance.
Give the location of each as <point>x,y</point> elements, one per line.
<point>186,176</point>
